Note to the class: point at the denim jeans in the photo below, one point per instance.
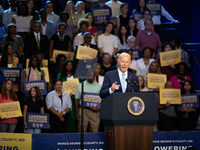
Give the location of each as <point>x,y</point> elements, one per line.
<point>32,131</point>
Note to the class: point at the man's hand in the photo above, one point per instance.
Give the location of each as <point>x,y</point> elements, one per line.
<point>62,119</point>
<point>95,108</point>
<point>114,86</point>
<point>167,104</point>
<point>60,114</point>
<point>78,117</point>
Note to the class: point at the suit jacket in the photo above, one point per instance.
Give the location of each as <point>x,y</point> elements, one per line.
<point>31,47</point>
<point>50,30</point>
<point>91,46</point>
<point>113,76</point>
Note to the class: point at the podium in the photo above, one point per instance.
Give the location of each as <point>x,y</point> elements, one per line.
<point>127,131</point>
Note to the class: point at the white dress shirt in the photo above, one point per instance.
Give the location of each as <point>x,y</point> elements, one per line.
<point>115,6</point>
<point>120,77</point>
<point>44,28</point>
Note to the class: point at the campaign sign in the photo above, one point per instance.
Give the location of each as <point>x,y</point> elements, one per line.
<point>91,100</point>
<point>176,140</point>
<point>37,120</point>
<point>69,141</point>
<point>189,100</point>
<point>41,84</point>
<point>155,8</point>
<point>13,74</point>
<point>138,16</point>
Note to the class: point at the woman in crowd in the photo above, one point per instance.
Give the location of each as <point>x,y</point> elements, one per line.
<point>132,30</point>
<point>59,104</point>
<point>167,113</point>
<point>13,39</point>
<point>8,95</point>
<point>67,74</point>
<point>33,104</point>
<point>83,24</point>
<point>146,16</point>
<point>31,9</point>
<point>57,68</point>
<point>32,73</point>
<point>122,37</point>
<point>107,42</point>
<point>142,84</point>
<point>97,72</point>
<point>141,5</point>
<point>123,19</point>
<point>22,20</point>
<point>92,29</point>
<point>8,60</point>
<point>145,61</point>
<point>70,9</point>
<point>59,41</point>
<point>188,116</point>
<point>168,70</point>
<point>181,76</point>
<point>80,13</point>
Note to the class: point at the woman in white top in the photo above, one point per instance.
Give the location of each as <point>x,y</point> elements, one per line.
<point>122,37</point>
<point>22,20</point>
<point>145,61</point>
<point>107,42</point>
<point>142,84</point>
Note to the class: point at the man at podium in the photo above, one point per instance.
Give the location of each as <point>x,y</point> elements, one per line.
<point>120,79</point>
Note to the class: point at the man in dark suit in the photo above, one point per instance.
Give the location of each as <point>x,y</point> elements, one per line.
<point>87,40</point>
<point>116,80</point>
<point>36,43</point>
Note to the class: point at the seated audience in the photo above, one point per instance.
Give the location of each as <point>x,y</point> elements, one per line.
<point>123,19</point>
<point>145,61</point>
<point>142,84</point>
<point>131,46</point>
<point>107,42</point>
<point>132,29</point>
<point>13,39</point>
<point>8,95</point>
<point>22,20</point>
<point>181,75</point>
<point>36,43</point>
<point>33,104</point>
<point>92,29</point>
<point>122,37</point>
<point>115,7</point>
<point>59,105</point>
<point>31,9</point>
<point>146,16</point>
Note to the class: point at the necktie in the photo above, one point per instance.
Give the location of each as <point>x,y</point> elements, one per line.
<point>123,82</point>
<point>38,41</point>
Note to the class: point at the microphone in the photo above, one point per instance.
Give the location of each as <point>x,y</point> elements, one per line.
<point>130,83</point>
<point>135,83</point>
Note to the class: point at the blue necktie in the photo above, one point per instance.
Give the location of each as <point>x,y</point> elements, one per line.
<point>123,82</point>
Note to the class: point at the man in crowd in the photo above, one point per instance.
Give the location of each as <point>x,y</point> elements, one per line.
<point>101,14</point>
<point>131,46</point>
<point>116,80</point>
<point>115,6</point>
<point>148,38</point>
<point>106,62</point>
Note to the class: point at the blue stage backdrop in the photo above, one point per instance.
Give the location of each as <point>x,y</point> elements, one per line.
<point>175,140</point>
<point>92,141</point>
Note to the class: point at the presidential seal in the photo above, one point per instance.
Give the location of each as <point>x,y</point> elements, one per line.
<point>136,106</point>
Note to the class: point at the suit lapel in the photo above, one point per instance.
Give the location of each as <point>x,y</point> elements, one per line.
<point>118,80</point>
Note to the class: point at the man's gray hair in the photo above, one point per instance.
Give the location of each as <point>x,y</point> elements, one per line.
<point>130,37</point>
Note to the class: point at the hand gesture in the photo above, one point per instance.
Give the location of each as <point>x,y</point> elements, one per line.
<point>114,86</point>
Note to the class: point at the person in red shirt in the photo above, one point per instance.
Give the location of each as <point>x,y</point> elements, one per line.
<point>8,95</point>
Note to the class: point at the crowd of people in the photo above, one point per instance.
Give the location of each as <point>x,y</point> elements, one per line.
<point>28,34</point>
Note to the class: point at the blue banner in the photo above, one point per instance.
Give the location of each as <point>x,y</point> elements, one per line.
<point>155,8</point>
<point>13,74</point>
<point>176,140</point>
<point>37,120</point>
<point>69,141</point>
<point>189,100</point>
<point>91,100</point>
<point>41,84</point>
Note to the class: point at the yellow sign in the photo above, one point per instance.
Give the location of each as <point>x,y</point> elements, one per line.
<point>10,110</point>
<point>15,141</point>
<point>156,80</point>
<point>44,62</point>
<point>46,73</point>
<point>71,86</point>
<point>171,95</point>
<point>171,57</point>
<point>136,106</point>
<point>86,53</point>
<point>69,55</point>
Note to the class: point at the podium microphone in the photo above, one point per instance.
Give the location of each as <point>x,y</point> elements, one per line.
<point>130,83</point>
<point>135,83</point>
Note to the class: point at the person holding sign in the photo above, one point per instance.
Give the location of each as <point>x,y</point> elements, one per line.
<point>137,13</point>
<point>146,16</point>
<point>8,95</point>
<point>116,80</point>
<point>167,113</point>
<point>59,104</point>
<point>181,75</point>
<point>32,73</point>
<point>33,104</point>
<point>188,117</point>
<point>67,74</point>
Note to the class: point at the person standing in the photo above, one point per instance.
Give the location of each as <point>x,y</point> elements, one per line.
<point>115,6</point>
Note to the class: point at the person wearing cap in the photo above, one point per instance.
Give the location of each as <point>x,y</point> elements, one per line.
<point>13,39</point>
